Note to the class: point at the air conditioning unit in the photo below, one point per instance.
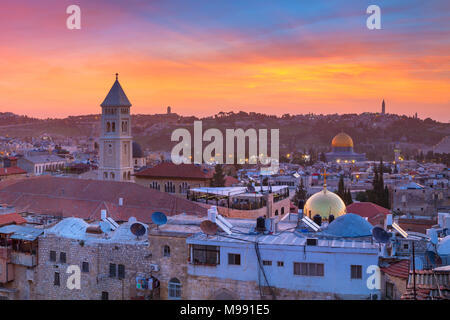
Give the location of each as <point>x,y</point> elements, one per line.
<point>154,267</point>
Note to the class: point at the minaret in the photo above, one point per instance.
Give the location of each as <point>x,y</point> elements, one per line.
<point>116,154</point>
<point>383,107</point>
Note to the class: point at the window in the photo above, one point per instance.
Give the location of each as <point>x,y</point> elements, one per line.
<point>105,295</point>
<point>56,280</point>
<point>108,127</point>
<point>356,272</point>
<point>166,251</point>
<point>174,289</point>
<point>282,210</point>
<point>207,255</point>
<point>389,290</point>
<point>113,128</point>
<point>121,271</point>
<point>405,246</point>
<point>267,263</point>
<point>276,212</point>
<point>62,257</point>
<point>85,267</point>
<point>280,263</point>
<point>234,259</point>
<point>308,269</point>
<point>52,255</point>
<point>112,270</point>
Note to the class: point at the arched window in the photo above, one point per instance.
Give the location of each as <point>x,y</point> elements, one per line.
<point>105,175</point>
<point>166,251</point>
<point>174,289</point>
<point>113,127</point>
<point>108,127</point>
<point>169,187</point>
<point>112,175</point>
<point>276,212</point>
<point>184,187</point>
<point>282,210</point>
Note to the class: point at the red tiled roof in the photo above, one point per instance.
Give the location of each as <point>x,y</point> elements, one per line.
<point>369,210</point>
<point>11,218</point>
<point>229,181</point>
<point>171,170</point>
<point>11,171</point>
<point>69,197</point>
<point>398,269</point>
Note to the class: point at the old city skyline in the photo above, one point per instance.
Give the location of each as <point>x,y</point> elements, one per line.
<point>224,57</point>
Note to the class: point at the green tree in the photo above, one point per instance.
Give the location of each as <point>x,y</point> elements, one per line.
<point>300,193</point>
<point>218,179</point>
<point>341,188</point>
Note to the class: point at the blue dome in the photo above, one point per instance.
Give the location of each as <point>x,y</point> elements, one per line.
<point>349,225</point>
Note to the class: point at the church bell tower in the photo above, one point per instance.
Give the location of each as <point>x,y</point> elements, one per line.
<point>116,154</point>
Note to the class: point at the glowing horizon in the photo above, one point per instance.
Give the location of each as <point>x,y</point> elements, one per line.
<point>275,58</point>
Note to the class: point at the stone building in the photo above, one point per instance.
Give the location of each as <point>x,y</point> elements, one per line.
<point>18,261</point>
<point>175,179</point>
<point>413,199</point>
<point>285,264</point>
<point>111,263</point>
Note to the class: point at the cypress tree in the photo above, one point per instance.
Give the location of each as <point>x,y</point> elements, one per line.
<point>218,179</point>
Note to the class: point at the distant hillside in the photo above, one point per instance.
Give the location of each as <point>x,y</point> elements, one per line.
<point>372,133</point>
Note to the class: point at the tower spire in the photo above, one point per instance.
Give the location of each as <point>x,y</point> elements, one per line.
<point>117,76</point>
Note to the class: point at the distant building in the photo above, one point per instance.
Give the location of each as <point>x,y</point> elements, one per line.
<point>12,173</point>
<point>374,213</point>
<point>176,179</point>
<point>116,154</point>
<point>41,163</point>
<point>383,107</point>
<point>139,159</point>
<point>342,150</point>
<point>169,110</point>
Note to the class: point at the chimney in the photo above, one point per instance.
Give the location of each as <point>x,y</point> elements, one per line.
<point>212,214</point>
<point>103,214</point>
<point>120,201</point>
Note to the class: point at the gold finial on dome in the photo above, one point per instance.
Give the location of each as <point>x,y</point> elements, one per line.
<point>324,174</point>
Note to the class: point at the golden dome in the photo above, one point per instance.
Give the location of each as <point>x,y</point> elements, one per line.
<point>324,203</point>
<point>342,140</point>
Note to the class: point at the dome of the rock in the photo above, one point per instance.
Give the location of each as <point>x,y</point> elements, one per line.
<point>342,140</point>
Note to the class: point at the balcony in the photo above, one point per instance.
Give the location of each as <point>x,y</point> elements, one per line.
<point>23,259</point>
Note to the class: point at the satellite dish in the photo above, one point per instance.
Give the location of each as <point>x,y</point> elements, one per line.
<point>105,226</point>
<point>380,235</point>
<point>208,227</point>
<point>159,218</point>
<point>138,229</point>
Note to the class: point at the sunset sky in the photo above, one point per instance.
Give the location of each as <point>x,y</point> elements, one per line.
<point>202,57</point>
